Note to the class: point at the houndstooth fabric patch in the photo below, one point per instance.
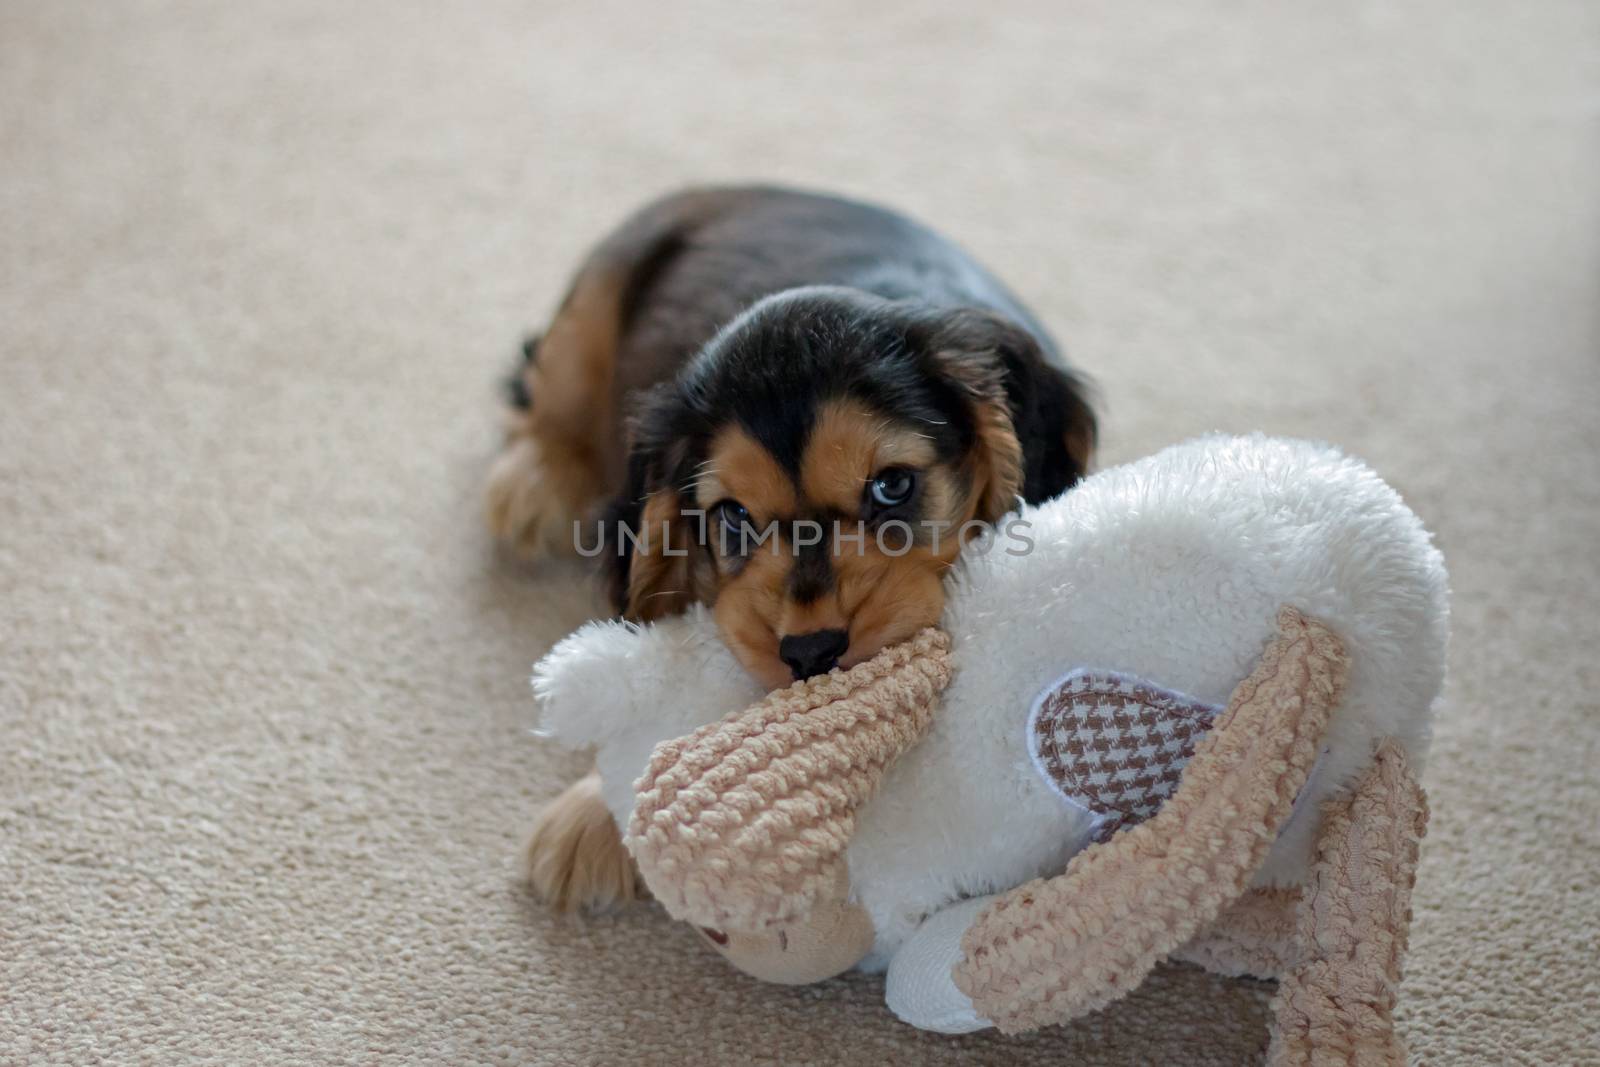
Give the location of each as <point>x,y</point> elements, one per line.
<point>1115,744</point>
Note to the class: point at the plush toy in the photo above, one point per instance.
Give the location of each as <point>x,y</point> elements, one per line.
<point>1183,716</point>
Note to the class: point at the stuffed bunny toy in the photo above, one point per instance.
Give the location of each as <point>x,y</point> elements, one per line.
<point>1184,718</point>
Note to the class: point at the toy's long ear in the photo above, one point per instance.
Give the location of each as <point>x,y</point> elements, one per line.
<point>743,824</point>
<point>1055,948</point>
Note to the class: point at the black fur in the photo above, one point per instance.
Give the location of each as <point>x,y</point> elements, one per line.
<point>774,366</point>
<point>826,296</point>
<point>518,395</point>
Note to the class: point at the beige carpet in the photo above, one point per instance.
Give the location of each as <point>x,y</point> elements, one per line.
<point>264,765</point>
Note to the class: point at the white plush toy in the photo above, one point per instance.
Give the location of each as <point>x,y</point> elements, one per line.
<point>1204,688</point>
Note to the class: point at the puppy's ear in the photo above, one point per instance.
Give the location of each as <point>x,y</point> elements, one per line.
<point>966,350</point>
<point>1034,425</point>
<point>656,558</point>
<point>667,570</point>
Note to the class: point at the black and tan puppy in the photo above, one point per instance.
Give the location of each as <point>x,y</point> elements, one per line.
<point>793,408</point>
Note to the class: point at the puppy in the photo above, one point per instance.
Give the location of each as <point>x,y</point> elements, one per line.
<point>793,408</point>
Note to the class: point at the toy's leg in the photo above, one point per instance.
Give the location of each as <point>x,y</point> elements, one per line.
<point>1054,949</point>
<point>1255,935</point>
<point>1336,1006</point>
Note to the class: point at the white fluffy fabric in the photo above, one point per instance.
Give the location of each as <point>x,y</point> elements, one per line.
<point>624,688</point>
<point>1171,568</point>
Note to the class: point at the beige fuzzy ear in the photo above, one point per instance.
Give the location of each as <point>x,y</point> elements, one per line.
<point>1336,1003</point>
<point>1057,948</point>
<point>1252,936</point>
<point>743,824</point>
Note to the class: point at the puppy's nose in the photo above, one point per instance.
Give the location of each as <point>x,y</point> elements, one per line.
<point>817,652</point>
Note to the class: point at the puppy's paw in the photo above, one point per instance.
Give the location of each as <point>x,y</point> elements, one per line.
<point>575,858</point>
<point>532,507</point>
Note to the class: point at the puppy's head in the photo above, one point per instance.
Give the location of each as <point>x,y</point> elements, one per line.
<point>814,473</point>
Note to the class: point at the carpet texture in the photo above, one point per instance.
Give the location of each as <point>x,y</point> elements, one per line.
<point>264,760</point>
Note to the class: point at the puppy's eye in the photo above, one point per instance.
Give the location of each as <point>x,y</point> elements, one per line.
<point>735,517</point>
<point>891,487</point>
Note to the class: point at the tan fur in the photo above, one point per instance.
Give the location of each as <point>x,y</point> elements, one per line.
<point>564,454</point>
<point>887,600</point>
<point>747,609</point>
<point>1080,442</point>
<point>880,597</point>
<point>668,572</point>
<point>995,466</point>
<point>739,468</point>
<point>847,446</point>
<point>575,857</point>
<point>993,469</point>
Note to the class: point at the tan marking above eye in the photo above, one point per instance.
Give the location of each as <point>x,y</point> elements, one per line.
<point>943,500</point>
<point>848,445</point>
<point>738,467</point>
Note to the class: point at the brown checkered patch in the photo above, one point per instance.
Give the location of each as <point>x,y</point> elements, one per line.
<point>1114,744</point>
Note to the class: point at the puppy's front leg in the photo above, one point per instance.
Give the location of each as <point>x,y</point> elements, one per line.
<point>575,857</point>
